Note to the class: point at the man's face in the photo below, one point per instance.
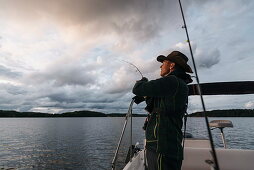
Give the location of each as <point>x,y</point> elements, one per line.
<point>166,67</point>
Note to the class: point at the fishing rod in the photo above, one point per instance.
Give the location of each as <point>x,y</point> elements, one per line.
<point>133,66</point>
<point>129,114</point>
<point>216,165</point>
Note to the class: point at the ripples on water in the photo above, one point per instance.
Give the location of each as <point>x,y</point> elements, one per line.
<point>89,143</point>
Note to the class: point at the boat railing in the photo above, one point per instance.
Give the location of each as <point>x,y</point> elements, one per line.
<point>128,115</point>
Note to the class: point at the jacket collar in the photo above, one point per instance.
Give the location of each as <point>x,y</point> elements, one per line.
<point>182,75</point>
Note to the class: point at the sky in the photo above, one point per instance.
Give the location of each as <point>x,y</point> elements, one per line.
<point>67,55</point>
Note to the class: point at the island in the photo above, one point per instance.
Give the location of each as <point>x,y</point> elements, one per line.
<point>83,113</point>
<point>225,113</point>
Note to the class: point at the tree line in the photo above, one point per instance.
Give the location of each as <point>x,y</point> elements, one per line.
<point>83,113</point>
<point>226,113</point>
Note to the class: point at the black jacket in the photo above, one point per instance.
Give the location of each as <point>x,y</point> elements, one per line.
<point>166,102</point>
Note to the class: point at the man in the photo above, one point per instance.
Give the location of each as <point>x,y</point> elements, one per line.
<point>166,100</point>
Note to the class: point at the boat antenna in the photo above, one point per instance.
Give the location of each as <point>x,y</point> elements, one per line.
<point>133,66</point>
<point>216,165</point>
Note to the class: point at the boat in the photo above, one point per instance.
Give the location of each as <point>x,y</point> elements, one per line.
<point>199,154</point>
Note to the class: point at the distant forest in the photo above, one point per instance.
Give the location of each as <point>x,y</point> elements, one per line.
<point>83,113</point>
<point>87,113</point>
<point>226,113</point>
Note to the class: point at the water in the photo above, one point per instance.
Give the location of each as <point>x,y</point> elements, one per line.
<point>89,143</point>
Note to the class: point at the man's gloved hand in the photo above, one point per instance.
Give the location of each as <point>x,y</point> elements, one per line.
<point>138,99</point>
<point>144,79</point>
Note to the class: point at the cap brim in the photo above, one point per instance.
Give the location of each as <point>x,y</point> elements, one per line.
<point>161,58</point>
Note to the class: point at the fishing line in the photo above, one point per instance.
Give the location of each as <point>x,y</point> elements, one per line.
<point>200,92</point>
<point>132,65</point>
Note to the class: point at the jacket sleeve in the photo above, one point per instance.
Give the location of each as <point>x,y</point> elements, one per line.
<point>161,87</point>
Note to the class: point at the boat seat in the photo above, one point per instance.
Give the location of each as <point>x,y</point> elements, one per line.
<point>220,123</point>
<point>197,143</point>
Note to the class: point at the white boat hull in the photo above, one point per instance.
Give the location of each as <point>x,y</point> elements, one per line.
<point>195,157</point>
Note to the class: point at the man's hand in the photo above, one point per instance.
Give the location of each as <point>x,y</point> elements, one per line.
<point>138,99</point>
<point>144,79</point>
<point>138,82</point>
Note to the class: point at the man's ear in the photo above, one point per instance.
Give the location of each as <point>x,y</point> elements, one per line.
<point>172,66</point>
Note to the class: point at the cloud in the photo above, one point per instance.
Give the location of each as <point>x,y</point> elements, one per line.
<point>136,19</point>
<point>12,96</point>
<point>8,73</point>
<point>45,97</point>
<point>204,59</point>
<point>249,105</point>
<point>121,81</point>
<point>66,72</point>
<point>208,59</point>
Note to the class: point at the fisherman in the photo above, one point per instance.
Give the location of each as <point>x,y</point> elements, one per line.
<point>166,99</point>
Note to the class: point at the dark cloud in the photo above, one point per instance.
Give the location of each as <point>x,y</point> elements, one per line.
<point>16,90</point>
<point>63,98</point>
<point>9,73</point>
<point>208,59</point>
<point>66,74</point>
<point>118,89</point>
<point>82,95</point>
<point>12,96</point>
<point>139,19</point>
<point>82,100</point>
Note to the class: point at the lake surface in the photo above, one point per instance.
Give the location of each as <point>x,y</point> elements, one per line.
<point>90,143</point>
